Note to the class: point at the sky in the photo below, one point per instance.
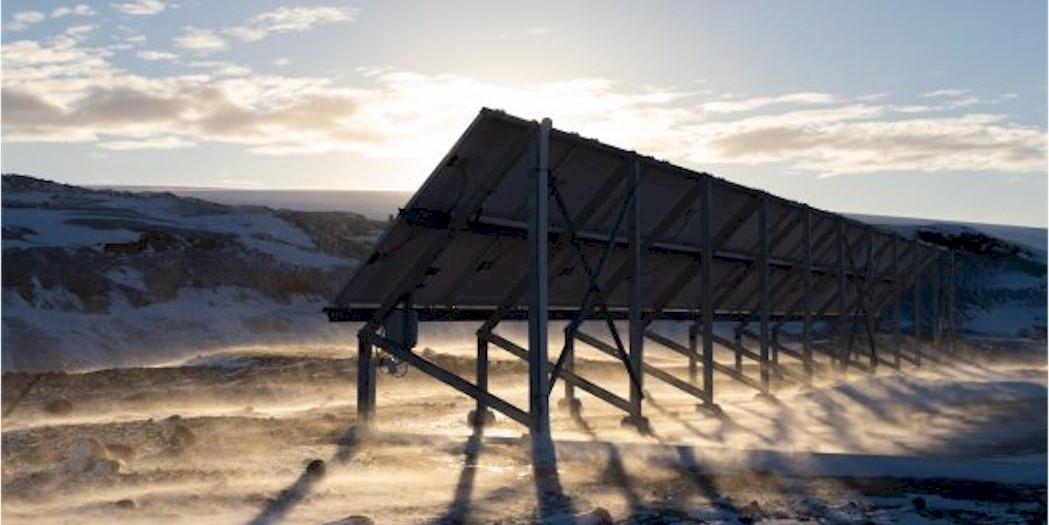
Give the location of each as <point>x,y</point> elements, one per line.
<point>922,109</point>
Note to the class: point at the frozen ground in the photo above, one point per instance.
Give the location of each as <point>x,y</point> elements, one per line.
<point>227,438</point>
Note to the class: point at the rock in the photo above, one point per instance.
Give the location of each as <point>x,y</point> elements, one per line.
<point>126,504</point>
<point>751,513</point>
<point>316,468</point>
<point>84,453</point>
<point>598,516</point>
<point>919,503</point>
<point>182,437</point>
<point>353,520</point>
<point>120,451</point>
<point>58,407</point>
<point>106,467</point>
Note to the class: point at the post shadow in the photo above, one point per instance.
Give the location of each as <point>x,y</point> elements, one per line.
<point>551,502</point>
<point>458,510</point>
<point>276,508</point>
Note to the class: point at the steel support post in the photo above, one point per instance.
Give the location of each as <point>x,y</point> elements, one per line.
<point>917,312</point>
<point>570,400</point>
<point>897,312</point>
<point>538,292</point>
<point>482,415</point>
<point>937,311</point>
<point>365,381</point>
<point>843,357</point>
<point>637,324</point>
<point>707,291</point>
<point>693,351</point>
<point>763,251</point>
<point>868,287</point>
<point>952,298</point>
<point>806,283</point>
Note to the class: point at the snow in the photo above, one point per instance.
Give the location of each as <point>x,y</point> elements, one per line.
<point>255,229</point>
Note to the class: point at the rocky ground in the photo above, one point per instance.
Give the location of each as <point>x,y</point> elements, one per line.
<point>268,435</point>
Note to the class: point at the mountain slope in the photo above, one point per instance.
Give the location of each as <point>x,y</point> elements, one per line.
<point>99,277</point>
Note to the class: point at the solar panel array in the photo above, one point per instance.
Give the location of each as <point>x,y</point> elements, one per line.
<point>467,226</point>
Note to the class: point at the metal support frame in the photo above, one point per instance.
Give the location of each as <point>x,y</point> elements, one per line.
<point>842,335</point>
<point>764,304</point>
<point>917,314</point>
<point>539,282</point>
<point>365,381</point>
<point>897,307</point>
<point>706,302</point>
<point>874,290</point>
<point>806,273</point>
<point>637,325</point>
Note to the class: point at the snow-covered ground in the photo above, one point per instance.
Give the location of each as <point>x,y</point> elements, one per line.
<point>229,438</point>
<point>204,383</point>
<point>97,278</point>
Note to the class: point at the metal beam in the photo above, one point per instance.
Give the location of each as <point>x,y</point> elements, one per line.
<point>435,371</point>
<point>539,282</point>
<point>637,325</point>
<point>365,380</point>
<point>806,294</point>
<point>707,292</point>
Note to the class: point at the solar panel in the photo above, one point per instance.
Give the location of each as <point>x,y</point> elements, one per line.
<point>467,225</point>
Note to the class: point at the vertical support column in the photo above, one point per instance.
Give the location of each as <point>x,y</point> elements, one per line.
<point>843,357</point>
<point>570,400</point>
<point>763,274</point>
<point>538,291</point>
<point>917,309</point>
<point>868,288</point>
<point>897,312</point>
<point>365,381</point>
<point>806,300</point>
<point>637,324</point>
<point>937,306</point>
<point>706,302</point>
<point>693,350</point>
<point>952,297</point>
<point>481,415</point>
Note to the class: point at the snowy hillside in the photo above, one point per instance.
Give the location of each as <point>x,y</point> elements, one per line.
<point>97,277</point>
<point>1001,273</point>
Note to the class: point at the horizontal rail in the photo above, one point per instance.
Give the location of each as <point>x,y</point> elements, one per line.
<point>567,375</point>
<point>435,371</point>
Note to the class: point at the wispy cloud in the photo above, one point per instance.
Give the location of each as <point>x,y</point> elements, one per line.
<point>153,56</point>
<point>141,7</point>
<point>77,10</point>
<point>939,93</point>
<point>289,20</point>
<point>736,104</point>
<point>199,40</point>
<point>60,90</point>
<point>25,19</point>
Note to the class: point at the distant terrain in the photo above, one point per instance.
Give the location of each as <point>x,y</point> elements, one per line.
<point>102,277</point>
<point>99,277</point>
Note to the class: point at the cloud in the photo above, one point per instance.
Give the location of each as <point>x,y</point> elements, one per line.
<point>25,19</point>
<point>976,142</point>
<point>940,93</point>
<point>736,105</point>
<point>199,40</point>
<point>150,143</point>
<point>62,91</point>
<point>289,19</point>
<point>141,7</point>
<point>153,56</point>
<point>77,10</point>
<point>281,62</point>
